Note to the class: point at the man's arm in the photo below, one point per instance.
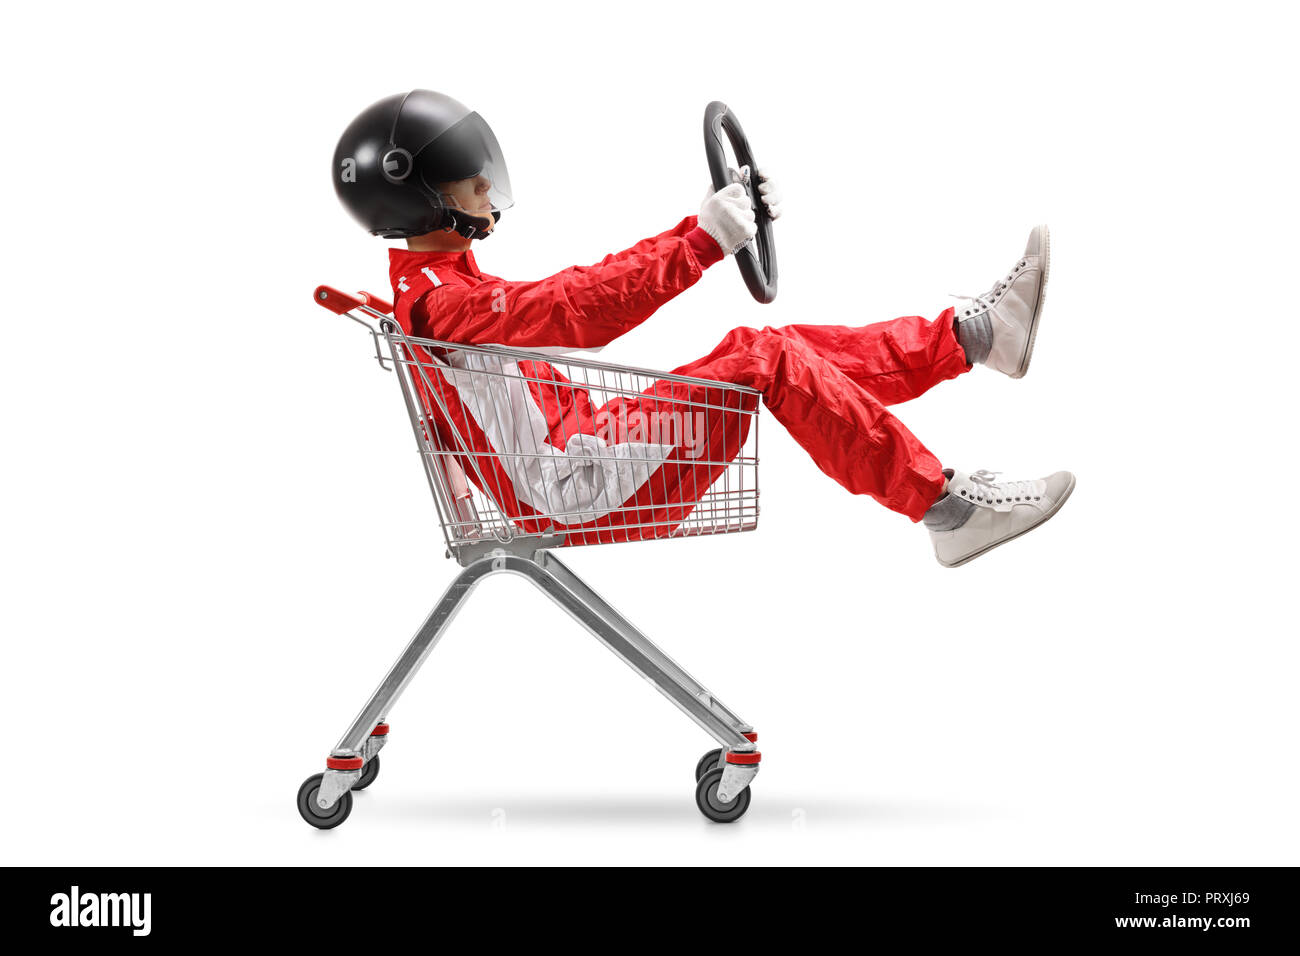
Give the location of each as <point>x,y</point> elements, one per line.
<point>581,307</point>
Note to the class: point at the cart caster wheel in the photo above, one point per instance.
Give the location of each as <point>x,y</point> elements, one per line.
<point>313,814</point>
<point>710,760</point>
<point>368,774</point>
<point>706,798</point>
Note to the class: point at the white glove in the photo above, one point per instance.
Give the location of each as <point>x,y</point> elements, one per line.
<point>729,221</point>
<point>770,193</point>
<point>727,217</point>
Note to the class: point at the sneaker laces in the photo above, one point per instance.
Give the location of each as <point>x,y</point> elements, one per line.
<point>988,299</point>
<point>976,301</point>
<point>1004,490</point>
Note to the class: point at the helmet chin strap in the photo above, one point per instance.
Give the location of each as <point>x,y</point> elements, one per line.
<point>472,227</point>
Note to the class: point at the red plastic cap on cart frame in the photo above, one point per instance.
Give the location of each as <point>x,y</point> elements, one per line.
<point>336,301</point>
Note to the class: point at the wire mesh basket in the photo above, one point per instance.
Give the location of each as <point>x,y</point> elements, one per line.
<point>537,444</point>
<point>520,443</point>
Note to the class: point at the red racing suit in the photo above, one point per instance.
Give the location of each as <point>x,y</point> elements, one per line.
<point>828,385</point>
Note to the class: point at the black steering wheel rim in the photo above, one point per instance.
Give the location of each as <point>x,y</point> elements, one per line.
<point>757,260</point>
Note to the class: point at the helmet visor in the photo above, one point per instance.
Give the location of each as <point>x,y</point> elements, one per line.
<point>466,163</point>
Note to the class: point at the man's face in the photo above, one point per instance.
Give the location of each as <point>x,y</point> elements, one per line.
<point>470,195</point>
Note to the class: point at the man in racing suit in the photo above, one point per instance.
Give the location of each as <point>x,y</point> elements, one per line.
<point>830,386</point>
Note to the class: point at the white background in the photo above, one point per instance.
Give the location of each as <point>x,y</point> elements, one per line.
<point>217,535</point>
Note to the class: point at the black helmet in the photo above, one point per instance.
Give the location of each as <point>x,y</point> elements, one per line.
<point>392,158</point>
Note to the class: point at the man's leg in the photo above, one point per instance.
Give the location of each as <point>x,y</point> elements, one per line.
<point>895,361</point>
<point>845,428</point>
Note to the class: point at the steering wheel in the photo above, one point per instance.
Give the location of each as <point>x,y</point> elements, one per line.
<point>757,260</point>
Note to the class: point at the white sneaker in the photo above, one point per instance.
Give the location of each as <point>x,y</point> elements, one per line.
<point>1013,306</point>
<point>978,514</point>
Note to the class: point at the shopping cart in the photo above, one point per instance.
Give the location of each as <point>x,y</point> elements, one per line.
<point>527,452</point>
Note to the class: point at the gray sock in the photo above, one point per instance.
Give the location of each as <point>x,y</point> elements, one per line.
<point>948,513</point>
<point>975,336</point>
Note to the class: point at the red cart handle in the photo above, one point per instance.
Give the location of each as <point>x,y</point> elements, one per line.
<point>336,301</point>
<point>340,302</point>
